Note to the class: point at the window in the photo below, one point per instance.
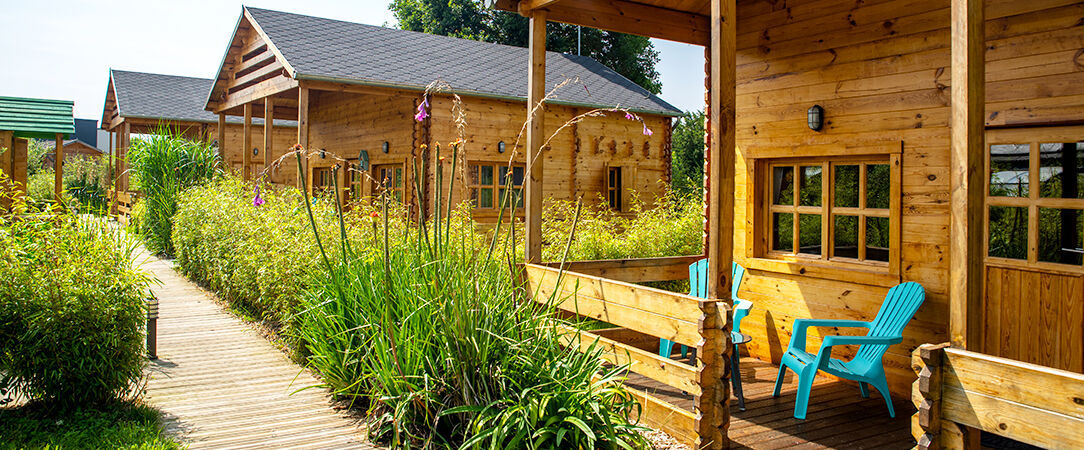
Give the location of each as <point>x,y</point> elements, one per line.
<point>1035,196</point>
<point>355,182</point>
<point>322,180</point>
<point>831,209</point>
<point>613,187</point>
<point>388,178</point>
<point>488,184</point>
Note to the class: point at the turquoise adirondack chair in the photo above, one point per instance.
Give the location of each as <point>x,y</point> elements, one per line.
<point>866,368</point>
<point>698,287</point>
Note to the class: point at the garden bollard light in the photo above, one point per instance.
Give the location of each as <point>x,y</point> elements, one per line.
<point>152,327</point>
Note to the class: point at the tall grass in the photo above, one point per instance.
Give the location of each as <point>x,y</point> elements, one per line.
<point>436,335</point>
<point>163,164</point>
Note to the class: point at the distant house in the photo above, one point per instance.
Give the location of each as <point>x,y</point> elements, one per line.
<point>139,103</point>
<point>356,90</point>
<point>73,148</point>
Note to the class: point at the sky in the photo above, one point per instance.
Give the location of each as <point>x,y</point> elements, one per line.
<point>64,49</point>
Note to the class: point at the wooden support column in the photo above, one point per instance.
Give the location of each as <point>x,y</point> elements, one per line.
<point>223,158</point>
<point>122,161</point>
<point>7,149</point>
<point>715,349</point>
<point>967,165</point>
<point>268,132</point>
<point>58,167</point>
<point>926,361</point>
<point>536,91</point>
<point>303,135</point>
<point>246,144</point>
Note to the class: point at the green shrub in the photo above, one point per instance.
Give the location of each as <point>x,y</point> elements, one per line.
<point>116,425</point>
<point>86,180</point>
<point>163,165</point>
<point>71,310</point>
<point>436,334</point>
<point>39,186</point>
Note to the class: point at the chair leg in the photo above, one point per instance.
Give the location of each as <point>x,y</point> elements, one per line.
<point>666,347</point>
<point>684,351</point>
<point>882,387</point>
<point>805,385</point>
<point>864,389</point>
<point>735,377</point>
<point>779,379</point>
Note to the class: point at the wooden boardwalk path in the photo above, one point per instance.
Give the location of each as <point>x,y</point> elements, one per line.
<point>222,385</point>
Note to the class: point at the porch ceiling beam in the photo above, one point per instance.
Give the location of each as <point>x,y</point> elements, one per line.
<point>624,17</point>
<point>968,152</point>
<point>526,6</point>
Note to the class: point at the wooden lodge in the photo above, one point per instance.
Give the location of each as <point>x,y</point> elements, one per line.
<point>141,103</point>
<point>22,119</point>
<point>853,146</point>
<point>359,94</point>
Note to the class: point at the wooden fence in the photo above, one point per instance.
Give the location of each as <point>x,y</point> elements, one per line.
<point>661,314</point>
<point>958,393</point>
<point>122,203</point>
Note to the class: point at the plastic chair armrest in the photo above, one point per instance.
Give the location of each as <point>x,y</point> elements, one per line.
<point>830,341</point>
<point>797,338</point>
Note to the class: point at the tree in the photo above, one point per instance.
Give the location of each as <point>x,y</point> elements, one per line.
<point>631,56</point>
<point>687,154</point>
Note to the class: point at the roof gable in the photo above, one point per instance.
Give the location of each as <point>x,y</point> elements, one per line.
<point>313,48</point>
<point>36,118</point>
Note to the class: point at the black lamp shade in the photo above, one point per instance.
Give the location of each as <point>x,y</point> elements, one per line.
<point>500,147</point>
<point>815,117</point>
<point>384,147</point>
<point>255,151</point>
<point>323,153</point>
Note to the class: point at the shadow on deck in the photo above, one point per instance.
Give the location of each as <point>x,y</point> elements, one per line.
<point>838,416</point>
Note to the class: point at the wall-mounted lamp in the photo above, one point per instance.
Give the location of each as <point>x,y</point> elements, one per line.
<point>815,117</point>
<point>500,147</point>
<point>384,147</point>
<point>323,153</point>
<point>255,151</point>
<point>363,160</point>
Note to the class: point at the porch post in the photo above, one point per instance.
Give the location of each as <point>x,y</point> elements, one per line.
<point>58,167</point>
<point>246,144</point>
<point>303,134</point>
<point>268,131</point>
<point>967,171</point>
<point>714,355</point>
<point>223,158</point>
<point>122,162</point>
<point>536,92</point>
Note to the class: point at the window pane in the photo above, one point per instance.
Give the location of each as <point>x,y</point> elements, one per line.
<point>399,177</point>
<point>517,176</point>
<point>1061,170</point>
<point>845,237</point>
<point>877,238</point>
<point>486,175</point>
<point>502,175</point>
<point>810,191</point>
<point>473,175</point>
<point>1009,170</point>
<point>878,178</point>
<point>783,185</point>
<point>485,197</point>
<point>809,234</point>
<point>1009,232</point>
<point>1060,231</point>
<point>783,232</point>
<point>846,186</point>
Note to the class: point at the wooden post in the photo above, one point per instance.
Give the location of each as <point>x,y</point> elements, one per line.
<point>246,144</point>
<point>58,167</point>
<point>967,167</point>
<point>223,158</point>
<point>122,162</point>
<point>536,91</point>
<point>303,134</point>
<point>268,131</point>
<point>715,349</point>
<point>926,361</point>
<point>7,150</point>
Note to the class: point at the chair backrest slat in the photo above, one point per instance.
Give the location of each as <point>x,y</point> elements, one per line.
<point>698,279</point>
<point>899,307</point>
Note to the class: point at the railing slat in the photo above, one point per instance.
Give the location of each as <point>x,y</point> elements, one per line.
<point>663,370</point>
<point>660,415</point>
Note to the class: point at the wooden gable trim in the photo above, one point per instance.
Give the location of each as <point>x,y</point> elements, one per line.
<point>111,110</point>
<point>270,45</point>
<point>621,16</point>
<point>252,68</point>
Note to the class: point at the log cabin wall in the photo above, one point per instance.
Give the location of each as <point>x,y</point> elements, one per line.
<point>578,156</point>
<point>284,139</point>
<point>880,70</point>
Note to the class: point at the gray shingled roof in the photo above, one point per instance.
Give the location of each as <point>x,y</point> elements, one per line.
<point>319,48</point>
<point>167,97</point>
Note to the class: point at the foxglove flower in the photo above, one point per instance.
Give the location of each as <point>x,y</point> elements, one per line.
<point>257,201</point>
<point>647,131</point>
<point>422,113</point>
<point>629,116</point>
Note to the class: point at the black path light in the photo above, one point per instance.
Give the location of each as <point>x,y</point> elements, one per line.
<point>815,117</point>
<point>152,325</point>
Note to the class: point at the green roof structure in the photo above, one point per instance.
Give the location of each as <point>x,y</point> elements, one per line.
<point>36,118</point>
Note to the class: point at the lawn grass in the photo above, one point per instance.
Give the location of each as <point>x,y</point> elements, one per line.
<point>121,425</point>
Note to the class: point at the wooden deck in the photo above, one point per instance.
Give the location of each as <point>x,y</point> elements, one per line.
<point>838,417</point>
<point>222,385</point>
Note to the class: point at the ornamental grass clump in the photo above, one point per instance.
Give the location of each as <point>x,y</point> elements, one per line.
<point>164,164</point>
<point>437,337</point>
<point>71,307</point>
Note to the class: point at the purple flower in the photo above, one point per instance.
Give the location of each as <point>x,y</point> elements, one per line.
<point>629,116</point>
<point>647,131</point>
<point>422,113</point>
<point>258,200</point>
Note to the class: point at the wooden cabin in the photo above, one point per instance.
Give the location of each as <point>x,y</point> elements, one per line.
<point>853,146</point>
<point>356,91</point>
<point>22,119</point>
<point>72,148</point>
<point>141,103</point>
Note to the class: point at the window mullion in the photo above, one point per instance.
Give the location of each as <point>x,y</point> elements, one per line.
<point>797,192</point>
<point>826,187</point>
<point>1033,197</point>
<point>861,212</point>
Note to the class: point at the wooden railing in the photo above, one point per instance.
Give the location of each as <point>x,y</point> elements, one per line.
<point>633,270</point>
<point>122,205</point>
<point>698,323</point>
<point>958,393</point>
